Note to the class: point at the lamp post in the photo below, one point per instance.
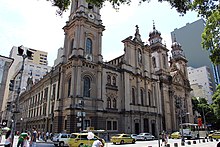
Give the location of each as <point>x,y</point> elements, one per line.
<point>180,106</point>
<point>17,109</point>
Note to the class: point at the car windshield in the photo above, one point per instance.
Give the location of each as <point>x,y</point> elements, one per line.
<point>134,135</point>
<point>73,136</point>
<point>118,135</point>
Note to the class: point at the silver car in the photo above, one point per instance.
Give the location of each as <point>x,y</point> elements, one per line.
<point>145,136</point>
<point>61,139</point>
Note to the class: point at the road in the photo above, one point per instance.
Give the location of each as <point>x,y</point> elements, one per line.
<point>152,144</point>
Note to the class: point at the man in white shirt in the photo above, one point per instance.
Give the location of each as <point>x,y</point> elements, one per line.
<point>97,143</point>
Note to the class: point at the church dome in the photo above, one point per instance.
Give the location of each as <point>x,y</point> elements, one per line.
<point>176,44</point>
<point>154,32</point>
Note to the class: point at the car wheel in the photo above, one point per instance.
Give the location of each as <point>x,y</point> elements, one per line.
<point>55,145</point>
<point>61,144</point>
<point>133,141</point>
<point>122,142</point>
<point>114,142</point>
<point>81,145</point>
<point>145,139</point>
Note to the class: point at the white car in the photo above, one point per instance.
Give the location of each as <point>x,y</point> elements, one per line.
<point>61,139</point>
<point>134,136</point>
<point>145,136</point>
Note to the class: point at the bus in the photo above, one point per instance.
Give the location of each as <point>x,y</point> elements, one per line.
<point>192,131</point>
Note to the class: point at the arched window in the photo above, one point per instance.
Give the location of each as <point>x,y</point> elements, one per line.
<point>142,96</point>
<point>164,61</point>
<point>86,87</point>
<point>108,103</point>
<point>139,56</point>
<point>114,103</point>
<point>133,96</point>
<point>114,80</point>
<point>71,47</point>
<point>69,87</point>
<point>88,46</point>
<point>154,62</point>
<point>109,80</point>
<point>149,98</point>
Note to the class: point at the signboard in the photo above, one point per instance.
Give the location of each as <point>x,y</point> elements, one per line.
<point>199,121</point>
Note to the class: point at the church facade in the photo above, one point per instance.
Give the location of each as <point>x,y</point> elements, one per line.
<point>139,91</point>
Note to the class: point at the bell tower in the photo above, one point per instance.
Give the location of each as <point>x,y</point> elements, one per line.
<point>159,52</point>
<point>83,32</point>
<point>178,59</point>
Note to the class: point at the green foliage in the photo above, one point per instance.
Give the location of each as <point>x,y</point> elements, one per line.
<point>211,37</point>
<point>62,5</point>
<point>216,102</point>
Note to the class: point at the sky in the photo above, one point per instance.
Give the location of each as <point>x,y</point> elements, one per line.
<point>34,24</point>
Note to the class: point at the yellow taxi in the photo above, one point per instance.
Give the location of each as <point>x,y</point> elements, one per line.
<point>122,138</point>
<point>175,135</point>
<point>216,135</point>
<point>81,139</point>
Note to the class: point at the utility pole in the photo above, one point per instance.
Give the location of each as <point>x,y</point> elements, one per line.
<point>16,101</point>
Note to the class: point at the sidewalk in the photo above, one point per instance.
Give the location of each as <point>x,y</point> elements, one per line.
<point>42,141</point>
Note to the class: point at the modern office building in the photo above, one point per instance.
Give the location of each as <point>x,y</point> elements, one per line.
<point>189,36</point>
<point>138,91</point>
<point>5,64</point>
<point>200,81</point>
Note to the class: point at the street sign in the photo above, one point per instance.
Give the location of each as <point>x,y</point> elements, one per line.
<point>81,114</point>
<point>78,124</point>
<point>4,123</point>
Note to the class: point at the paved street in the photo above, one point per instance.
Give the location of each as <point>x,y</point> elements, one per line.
<point>151,144</point>
<point>171,142</point>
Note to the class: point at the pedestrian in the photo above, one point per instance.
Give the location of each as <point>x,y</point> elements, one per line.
<point>8,140</point>
<point>47,136</point>
<point>98,143</point>
<point>34,137</point>
<point>21,139</point>
<point>164,139</point>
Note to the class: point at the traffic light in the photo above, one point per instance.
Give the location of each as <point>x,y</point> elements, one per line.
<point>20,51</point>
<point>8,106</point>
<point>11,85</point>
<point>29,54</point>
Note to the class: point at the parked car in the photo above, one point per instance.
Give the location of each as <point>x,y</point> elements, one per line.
<point>145,136</point>
<point>175,135</point>
<point>61,139</point>
<point>134,136</point>
<point>122,139</point>
<point>81,139</point>
<point>210,134</point>
<point>215,135</point>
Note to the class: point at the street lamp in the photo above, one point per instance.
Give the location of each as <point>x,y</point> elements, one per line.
<point>17,110</point>
<point>180,106</point>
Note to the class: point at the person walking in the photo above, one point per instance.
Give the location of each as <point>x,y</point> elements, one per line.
<point>34,137</point>
<point>8,140</point>
<point>98,143</point>
<point>21,139</point>
<point>164,139</point>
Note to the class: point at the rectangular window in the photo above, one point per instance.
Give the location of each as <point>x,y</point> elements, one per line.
<point>65,124</point>
<point>115,125</point>
<point>109,127</point>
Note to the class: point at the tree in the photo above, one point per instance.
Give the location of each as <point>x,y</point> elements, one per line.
<point>216,102</point>
<point>205,110</point>
<point>208,9</point>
